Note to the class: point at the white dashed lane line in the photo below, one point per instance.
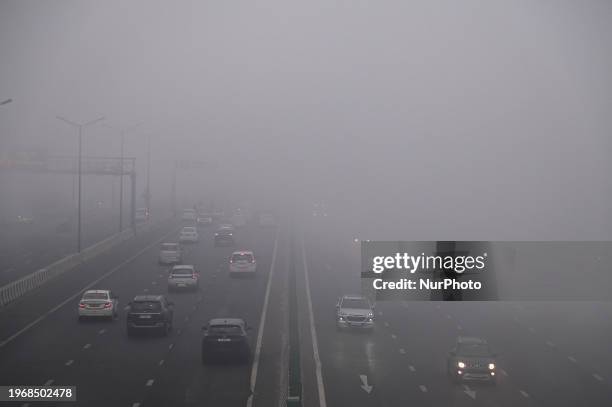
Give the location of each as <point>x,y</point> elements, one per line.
<point>423,388</point>
<point>532,330</point>
<point>524,393</point>
<point>571,359</point>
<point>402,351</point>
<point>70,362</point>
<point>48,382</point>
<point>87,346</point>
<point>101,331</point>
<point>550,344</point>
<point>136,405</point>
<point>598,377</point>
<point>393,336</point>
<point>161,362</point>
<point>412,369</point>
<point>150,382</point>
<point>386,324</point>
<point>171,346</point>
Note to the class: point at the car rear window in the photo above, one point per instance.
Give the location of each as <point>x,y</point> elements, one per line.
<point>242,257</point>
<point>182,272</point>
<point>151,306</point>
<point>357,303</point>
<point>225,329</point>
<point>189,230</point>
<point>95,296</point>
<point>170,247</point>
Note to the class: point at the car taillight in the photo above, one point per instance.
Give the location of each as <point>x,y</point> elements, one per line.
<point>194,276</point>
<point>108,304</point>
<point>82,305</point>
<point>252,260</point>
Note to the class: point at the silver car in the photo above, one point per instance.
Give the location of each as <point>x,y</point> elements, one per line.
<point>183,277</point>
<point>170,253</point>
<point>354,311</point>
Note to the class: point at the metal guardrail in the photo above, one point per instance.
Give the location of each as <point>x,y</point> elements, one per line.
<point>14,290</point>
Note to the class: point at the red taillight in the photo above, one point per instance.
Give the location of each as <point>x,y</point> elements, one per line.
<point>81,305</point>
<point>194,276</point>
<point>108,304</point>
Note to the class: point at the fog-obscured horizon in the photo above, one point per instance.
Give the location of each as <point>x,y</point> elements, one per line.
<point>412,120</point>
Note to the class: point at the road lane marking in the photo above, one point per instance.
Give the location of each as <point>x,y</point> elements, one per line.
<point>386,324</point>
<point>150,382</point>
<point>598,377</point>
<point>136,405</point>
<point>171,346</point>
<point>313,332</point>
<point>503,372</point>
<point>364,383</point>
<point>48,382</point>
<point>161,362</point>
<point>101,331</point>
<point>448,316</point>
<point>551,344</point>
<point>127,307</point>
<point>69,362</point>
<point>87,346</point>
<point>393,336</point>
<point>412,369</point>
<point>571,359</point>
<point>402,351</point>
<point>80,292</point>
<point>154,282</point>
<point>146,290</point>
<point>531,330</point>
<point>524,393</point>
<point>423,388</point>
<point>459,328</point>
<point>262,324</point>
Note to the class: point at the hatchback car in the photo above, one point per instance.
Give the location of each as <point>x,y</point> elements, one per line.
<point>170,253</point>
<point>242,263</point>
<point>226,338</point>
<point>98,304</point>
<point>183,277</point>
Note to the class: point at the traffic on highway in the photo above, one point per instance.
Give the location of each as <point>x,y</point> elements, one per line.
<point>305,204</point>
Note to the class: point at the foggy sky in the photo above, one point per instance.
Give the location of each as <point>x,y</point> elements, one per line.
<point>413,119</point>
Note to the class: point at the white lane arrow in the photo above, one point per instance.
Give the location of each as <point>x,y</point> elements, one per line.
<point>470,392</point>
<point>364,383</point>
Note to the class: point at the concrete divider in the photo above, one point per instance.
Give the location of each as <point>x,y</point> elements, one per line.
<point>10,292</point>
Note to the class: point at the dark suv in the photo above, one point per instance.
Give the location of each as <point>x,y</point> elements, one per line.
<point>226,337</point>
<point>224,236</point>
<point>472,359</point>
<point>150,313</point>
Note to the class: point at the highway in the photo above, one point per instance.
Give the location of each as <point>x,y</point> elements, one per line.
<point>551,354</point>
<point>110,369</point>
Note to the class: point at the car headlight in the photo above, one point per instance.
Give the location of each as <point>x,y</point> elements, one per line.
<point>370,314</point>
<point>491,366</point>
<point>460,365</point>
<point>340,318</point>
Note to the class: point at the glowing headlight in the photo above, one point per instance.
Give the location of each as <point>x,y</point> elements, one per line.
<point>460,365</point>
<point>491,366</point>
<point>370,315</point>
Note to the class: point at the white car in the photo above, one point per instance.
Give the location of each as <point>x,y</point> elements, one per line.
<point>189,234</point>
<point>98,303</point>
<point>183,276</point>
<point>242,262</point>
<point>170,253</point>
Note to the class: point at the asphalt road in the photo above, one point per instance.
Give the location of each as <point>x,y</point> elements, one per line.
<point>108,368</point>
<point>551,354</point>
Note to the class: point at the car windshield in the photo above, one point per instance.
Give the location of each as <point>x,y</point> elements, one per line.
<point>188,230</point>
<point>95,296</point>
<point>358,303</point>
<point>169,247</point>
<point>473,349</point>
<point>225,329</point>
<point>139,306</point>
<point>242,257</point>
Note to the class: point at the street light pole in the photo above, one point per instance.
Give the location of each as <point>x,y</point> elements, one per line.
<point>148,188</point>
<point>122,130</point>
<point>79,170</point>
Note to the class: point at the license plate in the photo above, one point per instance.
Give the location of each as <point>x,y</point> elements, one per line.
<point>224,340</point>
<point>180,285</point>
<point>145,316</point>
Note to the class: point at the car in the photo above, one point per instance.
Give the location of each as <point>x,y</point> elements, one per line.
<point>98,304</point>
<point>183,276</point>
<point>227,338</point>
<point>204,220</point>
<point>242,263</point>
<point>170,253</point>
<point>224,236</point>
<point>266,220</point>
<point>354,311</point>
<point>141,215</point>
<point>189,215</point>
<point>150,313</point>
<point>189,234</point>
<point>472,359</point>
